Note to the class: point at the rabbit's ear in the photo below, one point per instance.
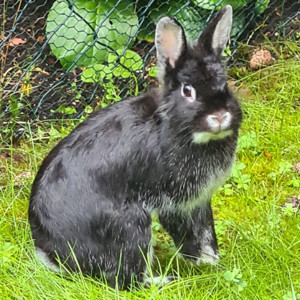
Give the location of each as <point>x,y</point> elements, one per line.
<point>215,36</point>
<point>170,43</point>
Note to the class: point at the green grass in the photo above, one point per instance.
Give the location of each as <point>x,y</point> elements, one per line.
<point>258,236</point>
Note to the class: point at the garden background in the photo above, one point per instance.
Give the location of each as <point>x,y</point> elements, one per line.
<point>63,59</point>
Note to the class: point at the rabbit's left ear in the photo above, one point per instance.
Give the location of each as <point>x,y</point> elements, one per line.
<point>216,34</point>
<point>170,43</point>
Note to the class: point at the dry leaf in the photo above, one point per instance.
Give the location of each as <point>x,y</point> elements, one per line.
<point>26,89</point>
<point>267,154</point>
<point>16,42</point>
<point>42,21</point>
<point>37,69</point>
<point>51,60</point>
<point>40,38</point>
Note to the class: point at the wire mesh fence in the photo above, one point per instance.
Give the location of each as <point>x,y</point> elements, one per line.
<point>62,58</point>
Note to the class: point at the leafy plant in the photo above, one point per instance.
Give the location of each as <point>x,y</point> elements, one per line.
<point>122,68</point>
<point>235,276</point>
<point>260,5</point>
<point>188,16</point>
<point>14,107</point>
<point>249,142</point>
<point>284,167</point>
<point>68,110</point>
<point>213,4</point>
<point>289,210</point>
<point>74,89</point>
<point>86,32</point>
<point>194,16</point>
<point>238,179</point>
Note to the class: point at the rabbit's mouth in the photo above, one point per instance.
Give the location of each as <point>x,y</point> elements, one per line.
<point>206,136</point>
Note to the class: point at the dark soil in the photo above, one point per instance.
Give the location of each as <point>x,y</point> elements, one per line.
<point>282,19</point>
<point>51,85</point>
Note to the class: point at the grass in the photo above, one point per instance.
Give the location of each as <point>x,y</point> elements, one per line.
<point>258,230</point>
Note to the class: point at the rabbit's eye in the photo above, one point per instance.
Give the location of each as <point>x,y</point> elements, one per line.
<point>188,92</point>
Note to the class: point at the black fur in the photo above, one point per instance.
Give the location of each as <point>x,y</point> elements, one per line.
<point>94,191</point>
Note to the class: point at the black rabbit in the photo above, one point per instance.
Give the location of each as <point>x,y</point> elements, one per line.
<point>168,150</point>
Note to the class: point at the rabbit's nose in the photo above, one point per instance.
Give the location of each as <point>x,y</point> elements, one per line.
<point>219,121</point>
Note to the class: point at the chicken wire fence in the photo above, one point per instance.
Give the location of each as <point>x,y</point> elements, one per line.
<point>64,58</point>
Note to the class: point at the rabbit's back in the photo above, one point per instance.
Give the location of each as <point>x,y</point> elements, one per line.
<point>95,163</point>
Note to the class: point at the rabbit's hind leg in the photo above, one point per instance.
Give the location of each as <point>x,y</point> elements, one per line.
<point>124,237</point>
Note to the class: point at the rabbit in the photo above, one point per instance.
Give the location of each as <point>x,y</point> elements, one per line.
<point>165,151</point>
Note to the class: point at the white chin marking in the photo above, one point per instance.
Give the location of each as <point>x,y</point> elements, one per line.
<point>44,260</point>
<point>205,137</point>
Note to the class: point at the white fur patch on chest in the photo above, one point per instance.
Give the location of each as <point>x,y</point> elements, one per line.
<point>206,191</point>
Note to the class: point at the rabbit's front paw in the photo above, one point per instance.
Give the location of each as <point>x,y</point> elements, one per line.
<point>209,257</point>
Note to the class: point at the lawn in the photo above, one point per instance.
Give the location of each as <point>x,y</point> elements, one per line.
<point>256,211</point>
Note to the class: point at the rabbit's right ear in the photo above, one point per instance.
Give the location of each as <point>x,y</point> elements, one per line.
<point>216,34</point>
<point>170,44</point>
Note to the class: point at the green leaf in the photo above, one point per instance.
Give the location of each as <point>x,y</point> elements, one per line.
<point>70,110</point>
<point>71,33</point>
<point>261,6</point>
<point>238,24</point>
<point>229,276</point>
<point>272,176</point>
<point>129,63</point>
<point>248,141</point>
<point>132,60</point>
<point>153,71</point>
<point>156,225</point>
<point>129,59</point>
<point>54,133</point>
<point>285,167</point>
<point>14,106</point>
<point>67,110</point>
<point>96,73</point>
<point>217,4</point>
<point>192,22</point>
<point>241,285</point>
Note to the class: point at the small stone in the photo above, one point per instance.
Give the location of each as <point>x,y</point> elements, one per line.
<point>297,167</point>
<point>294,200</point>
<point>19,179</point>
